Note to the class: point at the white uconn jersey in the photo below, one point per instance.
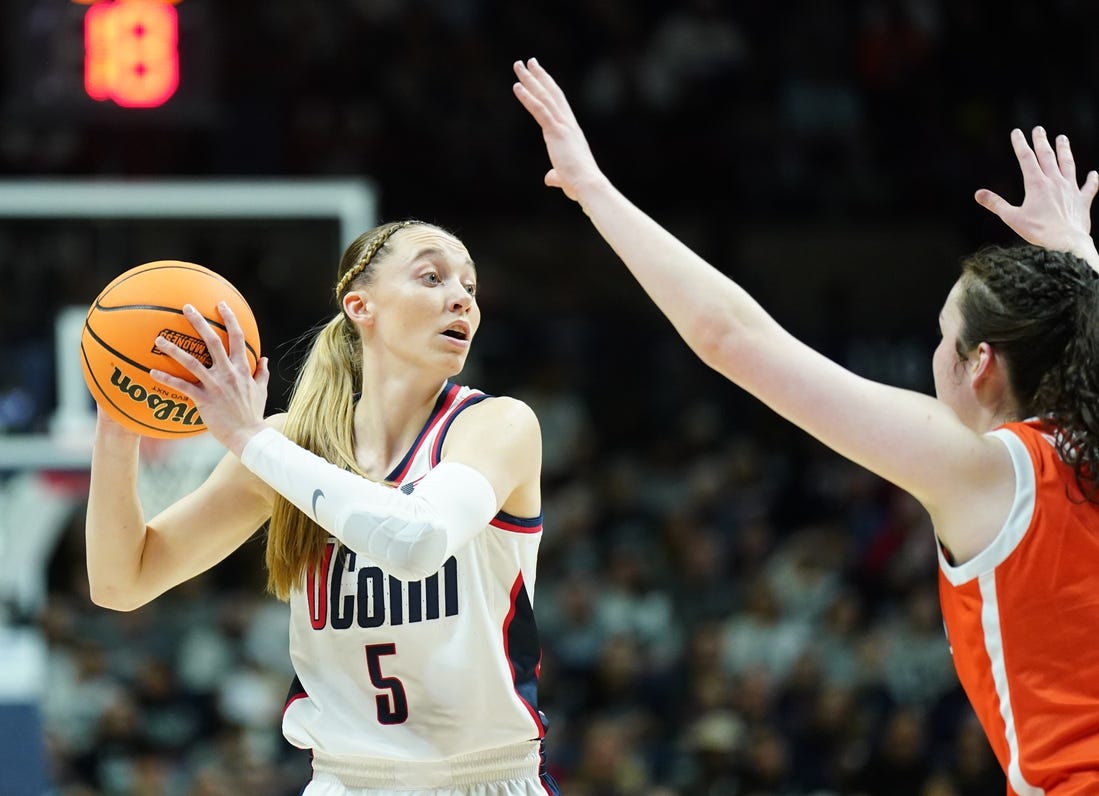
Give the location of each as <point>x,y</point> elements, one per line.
<point>424,670</point>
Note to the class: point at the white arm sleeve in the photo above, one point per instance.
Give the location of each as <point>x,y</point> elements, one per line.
<point>410,535</point>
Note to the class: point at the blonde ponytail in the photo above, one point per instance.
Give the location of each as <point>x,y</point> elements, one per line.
<point>320,419</point>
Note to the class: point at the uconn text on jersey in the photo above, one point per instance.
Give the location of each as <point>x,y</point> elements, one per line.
<point>347,594</point>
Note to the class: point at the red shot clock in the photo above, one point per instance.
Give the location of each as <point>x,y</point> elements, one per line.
<point>131,51</point>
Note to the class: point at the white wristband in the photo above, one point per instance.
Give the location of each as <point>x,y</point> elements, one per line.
<point>409,535</point>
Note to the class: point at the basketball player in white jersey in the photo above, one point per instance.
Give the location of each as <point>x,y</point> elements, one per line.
<point>404,517</point>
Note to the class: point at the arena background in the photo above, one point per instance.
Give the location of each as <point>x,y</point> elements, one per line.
<point>726,607</point>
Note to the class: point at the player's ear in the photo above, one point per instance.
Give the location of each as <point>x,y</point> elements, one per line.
<point>358,308</point>
<point>985,366</point>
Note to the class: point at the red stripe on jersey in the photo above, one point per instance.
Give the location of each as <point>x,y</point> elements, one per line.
<point>506,522</point>
<point>516,590</point>
<point>297,691</point>
<point>468,401</point>
<point>292,700</point>
<point>450,391</point>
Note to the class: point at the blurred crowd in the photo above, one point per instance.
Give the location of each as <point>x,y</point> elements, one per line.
<point>725,607</point>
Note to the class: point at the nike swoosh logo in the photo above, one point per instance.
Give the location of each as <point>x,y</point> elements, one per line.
<point>317,495</point>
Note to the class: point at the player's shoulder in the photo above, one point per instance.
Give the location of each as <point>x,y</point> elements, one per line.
<point>505,406</point>
<point>501,409</point>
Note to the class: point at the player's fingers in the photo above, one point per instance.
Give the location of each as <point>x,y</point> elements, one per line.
<point>263,372</point>
<point>238,348</point>
<point>188,388</point>
<point>1065,161</point>
<point>528,79</point>
<point>193,364</point>
<point>539,83</point>
<point>1047,159</point>
<point>543,76</point>
<point>1025,155</point>
<point>553,91</point>
<point>519,68</point>
<point>1091,185</point>
<point>990,200</point>
<point>534,107</point>
<point>533,94</point>
<point>201,325</point>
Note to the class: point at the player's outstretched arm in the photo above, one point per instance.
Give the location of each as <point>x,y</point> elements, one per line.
<point>702,304</point>
<point>1056,209</point>
<point>866,421</point>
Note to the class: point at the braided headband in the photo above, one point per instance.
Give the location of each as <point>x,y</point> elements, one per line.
<point>376,243</point>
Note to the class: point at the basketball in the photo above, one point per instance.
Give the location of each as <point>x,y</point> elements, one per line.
<point>118,348</point>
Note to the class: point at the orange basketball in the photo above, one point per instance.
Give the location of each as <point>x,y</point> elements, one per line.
<point>118,348</point>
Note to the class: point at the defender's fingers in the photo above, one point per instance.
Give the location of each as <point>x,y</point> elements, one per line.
<point>1091,185</point>
<point>535,108</point>
<point>555,93</point>
<point>528,93</point>
<point>1047,159</point>
<point>1089,188</point>
<point>539,82</point>
<point>525,95</point>
<point>534,87</point>
<point>544,77</point>
<point>528,78</point>
<point>992,201</point>
<point>1025,155</point>
<point>1065,161</point>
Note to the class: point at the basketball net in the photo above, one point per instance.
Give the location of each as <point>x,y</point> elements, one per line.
<point>169,469</point>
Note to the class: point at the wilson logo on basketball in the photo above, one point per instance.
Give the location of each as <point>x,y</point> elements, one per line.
<point>163,408</point>
<point>192,345</point>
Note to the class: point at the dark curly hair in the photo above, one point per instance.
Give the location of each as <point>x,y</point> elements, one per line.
<point>1040,310</point>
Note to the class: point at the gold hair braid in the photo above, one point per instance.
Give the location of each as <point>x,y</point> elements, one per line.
<point>372,248</point>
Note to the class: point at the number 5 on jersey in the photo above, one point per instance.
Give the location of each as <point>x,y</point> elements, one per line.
<point>392,703</point>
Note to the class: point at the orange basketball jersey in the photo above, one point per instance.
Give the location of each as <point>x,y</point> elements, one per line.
<point>1023,623</point>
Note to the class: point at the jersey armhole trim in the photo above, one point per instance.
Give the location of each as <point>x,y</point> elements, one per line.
<point>1014,527</point>
<point>507,522</point>
<point>437,446</point>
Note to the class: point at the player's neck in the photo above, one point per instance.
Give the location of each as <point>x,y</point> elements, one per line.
<point>388,418</point>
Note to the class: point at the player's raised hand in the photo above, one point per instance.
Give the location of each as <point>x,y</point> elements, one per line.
<point>1056,209</point>
<point>229,396</point>
<point>573,165</point>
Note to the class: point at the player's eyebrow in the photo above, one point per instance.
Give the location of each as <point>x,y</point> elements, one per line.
<point>435,251</point>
